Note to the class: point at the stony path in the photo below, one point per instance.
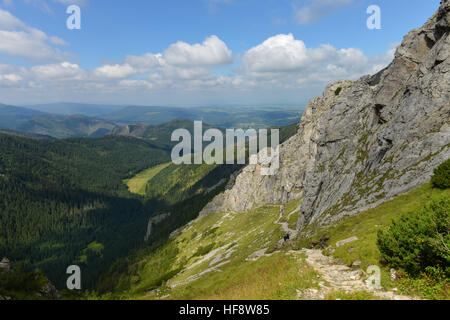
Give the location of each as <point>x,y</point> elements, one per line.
<point>285,225</point>
<point>339,277</point>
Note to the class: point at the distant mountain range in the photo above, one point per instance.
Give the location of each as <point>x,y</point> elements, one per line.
<point>158,134</point>
<point>11,117</point>
<point>226,117</point>
<point>70,109</point>
<point>68,120</point>
<point>57,126</point>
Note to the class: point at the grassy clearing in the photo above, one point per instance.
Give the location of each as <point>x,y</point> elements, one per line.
<point>276,277</point>
<point>137,183</point>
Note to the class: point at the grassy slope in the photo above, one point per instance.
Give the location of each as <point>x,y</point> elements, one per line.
<point>365,226</point>
<point>138,182</point>
<point>221,241</point>
<point>217,247</point>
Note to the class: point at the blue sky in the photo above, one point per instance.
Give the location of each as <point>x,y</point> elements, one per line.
<point>196,52</point>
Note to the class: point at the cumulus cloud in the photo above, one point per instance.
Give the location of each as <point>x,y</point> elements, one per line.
<point>276,54</point>
<point>9,22</point>
<point>317,9</point>
<point>283,60</point>
<point>19,40</point>
<point>279,66</point>
<point>136,84</point>
<point>43,4</point>
<point>13,78</point>
<point>60,71</point>
<point>146,62</point>
<point>115,71</point>
<point>180,61</point>
<point>212,52</point>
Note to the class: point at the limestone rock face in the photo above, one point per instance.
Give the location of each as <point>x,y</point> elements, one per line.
<point>362,142</point>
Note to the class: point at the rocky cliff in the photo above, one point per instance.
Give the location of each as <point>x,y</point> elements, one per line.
<point>362,142</point>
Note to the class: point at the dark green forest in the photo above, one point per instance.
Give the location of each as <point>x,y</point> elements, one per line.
<point>60,198</point>
<point>64,202</point>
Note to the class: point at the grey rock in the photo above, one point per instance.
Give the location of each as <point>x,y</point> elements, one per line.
<point>343,242</point>
<point>5,265</point>
<point>152,222</point>
<point>49,291</point>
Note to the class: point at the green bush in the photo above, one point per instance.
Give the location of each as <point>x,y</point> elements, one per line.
<point>441,178</point>
<point>418,240</point>
<point>204,250</point>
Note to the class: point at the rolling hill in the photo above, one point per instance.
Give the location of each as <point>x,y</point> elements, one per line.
<point>72,109</point>
<point>225,117</point>
<point>68,126</point>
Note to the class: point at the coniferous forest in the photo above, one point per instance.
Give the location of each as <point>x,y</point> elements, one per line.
<point>64,202</point>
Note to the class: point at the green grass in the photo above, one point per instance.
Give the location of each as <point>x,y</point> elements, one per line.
<point>19,285</point>
<point>138,182</point>
<point>209,259</point>
<point>230,238</point>
<point>93,248</point>
<point>289,208</point>
<point>276,277</point>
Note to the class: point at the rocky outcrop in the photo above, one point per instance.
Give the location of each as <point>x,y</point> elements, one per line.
<point>152,222</point>
<point>48,291</point>
<point>363,142</point>
<point>5,265</point>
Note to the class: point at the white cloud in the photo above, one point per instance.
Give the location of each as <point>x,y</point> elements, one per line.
<point>278,53</point>
<point>14,78</point>
<point>284,61</point>
<point>179,62</point>
<point>212,52</point>
<point>9,22</point>
<point>281,67</point>
<point>115,71</point>
<point>185,73</point>
<point>19,40</point>
<point>317,9</point>
<point>60,71</point>
<point>137,84</point>
<point>145,62</point>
